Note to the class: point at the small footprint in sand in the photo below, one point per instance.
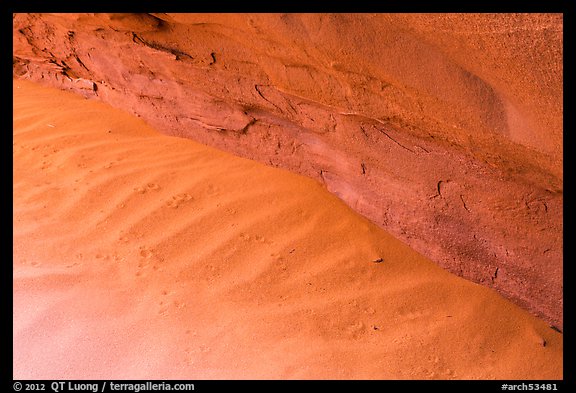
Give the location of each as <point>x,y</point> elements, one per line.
<point>356,330</point>
<point>255,238</point>
<point>148,257</point>
<point>178,305</point>
<point>165,308</point>
<point>146,188</point>
<point>178,200</point>
<point>232,212</point>
<point>146,253</point>
<point>165,305</point>
<point>212,190</point>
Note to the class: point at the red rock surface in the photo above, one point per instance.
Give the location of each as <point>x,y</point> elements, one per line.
<point>445,130</point>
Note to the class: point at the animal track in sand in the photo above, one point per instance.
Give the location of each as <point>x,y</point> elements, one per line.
<point>166,307</point>
<point>106,257</point>
<point>148,257</point>
<point>212,190</point>
<point>256,238</point>
<point>126,237</point>
<point>146,253</point>
<point>178,200</point>
<point>356,329</point>
<point>148,187</point>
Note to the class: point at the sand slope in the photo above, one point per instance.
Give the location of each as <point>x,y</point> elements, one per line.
<point>138,255</point>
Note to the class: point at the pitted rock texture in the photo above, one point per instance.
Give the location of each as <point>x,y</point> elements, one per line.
<point>445,130</point>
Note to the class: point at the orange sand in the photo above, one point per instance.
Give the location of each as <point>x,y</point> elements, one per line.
<point>139,255</point>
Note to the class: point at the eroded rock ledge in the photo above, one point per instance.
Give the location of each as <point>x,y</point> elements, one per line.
<point>446,130</point>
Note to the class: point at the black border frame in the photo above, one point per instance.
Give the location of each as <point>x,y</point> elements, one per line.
<point>566,7</point>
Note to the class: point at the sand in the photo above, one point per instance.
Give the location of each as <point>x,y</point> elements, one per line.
<point>143,256</point>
